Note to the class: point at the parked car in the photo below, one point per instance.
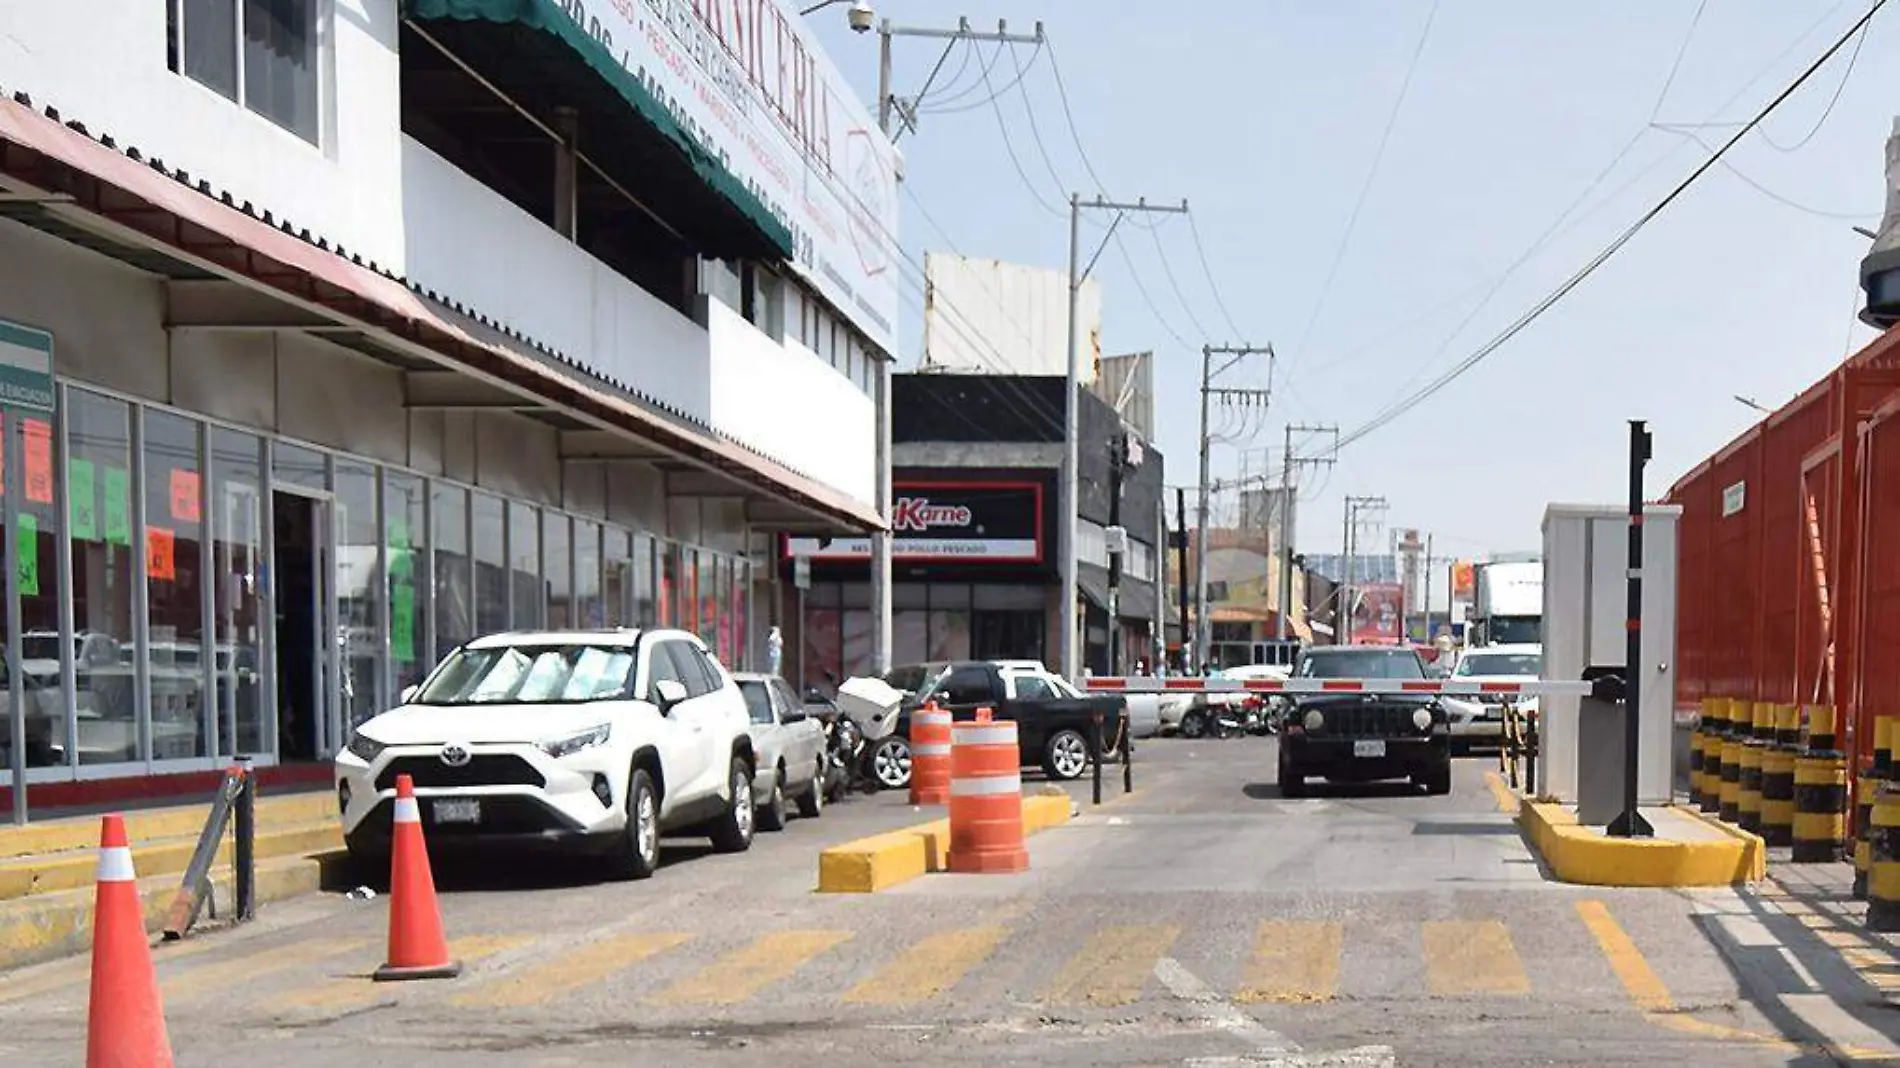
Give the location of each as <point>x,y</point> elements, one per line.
<point>595,740</point>
<point>1479,719</point>
<point>1358,737</point>
<point>790,744</point>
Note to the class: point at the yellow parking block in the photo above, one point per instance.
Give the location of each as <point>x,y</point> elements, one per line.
<point>929,968</point>
<point>1471,957</point>
<point>738,975</point>
<point>1293,961</point>
<point>572,970</point>
<point>1113,967</point>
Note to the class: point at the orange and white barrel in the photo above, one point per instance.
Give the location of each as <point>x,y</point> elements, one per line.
<point>986,797</point>
<point>930,745</point>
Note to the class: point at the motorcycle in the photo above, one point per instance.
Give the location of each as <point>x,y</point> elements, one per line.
<point>845,750</point>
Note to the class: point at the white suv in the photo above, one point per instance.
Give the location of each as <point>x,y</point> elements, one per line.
<point>598,739</point>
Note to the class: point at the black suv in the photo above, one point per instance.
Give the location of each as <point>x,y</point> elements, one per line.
<point>1362,737</point>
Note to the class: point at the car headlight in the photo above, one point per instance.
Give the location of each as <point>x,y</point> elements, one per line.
<point>1314,721</point>
<point>1422,719</point>
<point>365,748</point>
<point>570,744</point>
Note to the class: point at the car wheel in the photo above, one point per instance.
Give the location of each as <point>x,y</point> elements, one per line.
<point>1292,782</point>
<point>732,833</point>
<point>1194,725</point>
<point>811,803</point>
<point>639,855</point>
<point>890,763</point>
<point>1067,755</point>
<point>1438,779</point>
<point>772,814</point>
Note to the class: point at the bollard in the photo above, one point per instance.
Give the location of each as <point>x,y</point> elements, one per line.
<point>986,797</point>
<point>1821,729</point>
<point>1710,799</point>
<point>1748,764</point>
<point>244,849</point>
<point>1866,788</point>
<point>1704,715</point>
<point>1128,759</point>
<point>1731,794</point>
<point>1777,784</point>
<point>930,755</point>
<point>1095,756</point>
<point>1883,882</point>
<point>1820,807</point>
<point>1788,727</point>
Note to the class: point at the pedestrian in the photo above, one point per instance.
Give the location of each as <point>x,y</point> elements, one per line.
<point>774,649</point>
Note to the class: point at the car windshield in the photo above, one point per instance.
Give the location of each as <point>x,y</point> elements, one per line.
<point>758,701</point>
<point>1500,664</point>
<point>911,677</point>
<point>531,675</point>
<point>1361,664</point>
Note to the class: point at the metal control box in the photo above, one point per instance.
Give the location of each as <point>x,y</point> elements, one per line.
<point>1586,595</point>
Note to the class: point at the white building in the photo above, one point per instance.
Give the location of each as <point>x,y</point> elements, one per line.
<point>333,336</point>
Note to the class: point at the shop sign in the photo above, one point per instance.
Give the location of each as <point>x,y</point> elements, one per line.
<point>977,522</point>
<point>26,367</point>
<point>1733,499</point>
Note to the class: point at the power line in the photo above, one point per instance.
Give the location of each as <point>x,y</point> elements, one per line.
<point>1002,128</point>
<point>1675,66</point>
<point>1614,246</point>
<point>1848,216</point>
<point>1168,270</point>
<point>1821,121</point>
<point>1200,251</point>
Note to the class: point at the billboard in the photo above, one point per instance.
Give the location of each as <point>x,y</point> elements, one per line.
<point>991,317</point>
<point>1464,578</point>
<point>974,522</point>
<point>1375,614</point>
<point>751,85</point>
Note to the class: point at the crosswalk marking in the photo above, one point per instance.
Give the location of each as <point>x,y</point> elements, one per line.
<point>207,978</point>
<point>1293,961</point>
<point>1472,957</point>
<point>357,989</point>
<point>1639,980</point>
<point>929,967</point>
<point>1113,967</point>
<point>78,972</point>
<point>571,970</point>
<point>742,973</point>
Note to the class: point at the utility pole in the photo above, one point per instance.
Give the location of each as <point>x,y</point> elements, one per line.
<point>1428,589</point>
<point>1354,506</point>
<point>1124,451</point>
<point>1289,466</point>
<point>1203,626</point>
<point>1071,420</point>
<point>887,105</point>
<point>1180,570</point>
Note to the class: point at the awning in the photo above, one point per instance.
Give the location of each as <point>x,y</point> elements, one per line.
<point>537,53</point>
<point>1137,596</point>
<point>140,205</point>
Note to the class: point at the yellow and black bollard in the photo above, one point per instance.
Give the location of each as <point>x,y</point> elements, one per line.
<point>1883,882</point>
<point>1820,807</point>
<point>1704,714</point>
<point>1777,778</point>
<point>1761,718</point>
<point>1733,740</point>
<point>1711,742</point>
<point>1866,788</point>
<point>1821,737</point>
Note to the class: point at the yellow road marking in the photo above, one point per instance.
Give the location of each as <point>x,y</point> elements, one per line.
<point>582,966</point>
<point>342,993</point>
<point>1113,967</point>
<point>78,972</point>
<point>1472,957</point>
<point>929,968</point>
<point>1506,800</point>
<point>1632,969</point>
<point>209,977</point>
<point>744,972</point>
<point>1293,961</point>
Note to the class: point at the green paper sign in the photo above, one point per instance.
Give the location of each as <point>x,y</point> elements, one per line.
<point>82,502</point>
<point>29,544</point>
<point>402,623</point>
<point>118,519</point>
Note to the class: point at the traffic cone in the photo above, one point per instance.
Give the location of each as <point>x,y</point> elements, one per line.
<point>125,1022</point>
<point>417,948</point>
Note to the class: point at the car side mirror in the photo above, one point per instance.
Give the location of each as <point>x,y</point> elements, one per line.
<point>813,695</point>
<point>670,692</point>
<point>409,693</point>
<point>792,715</point>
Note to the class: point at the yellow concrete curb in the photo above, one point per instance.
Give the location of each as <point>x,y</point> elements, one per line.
<point>74,869</point>
<point>152,825</point>
<point>1579,855</point>
<point>886,860</point>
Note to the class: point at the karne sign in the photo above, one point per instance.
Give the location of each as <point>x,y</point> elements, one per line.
<point>976,522</point>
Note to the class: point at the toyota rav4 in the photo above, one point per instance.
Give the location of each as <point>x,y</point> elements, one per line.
<point>598,740</point>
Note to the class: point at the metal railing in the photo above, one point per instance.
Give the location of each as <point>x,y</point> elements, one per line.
<point>235,807</point>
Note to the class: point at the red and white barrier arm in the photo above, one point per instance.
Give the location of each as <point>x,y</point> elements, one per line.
<point>1443,687</point>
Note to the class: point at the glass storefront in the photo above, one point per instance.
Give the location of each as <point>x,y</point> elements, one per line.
<point>259,597</point>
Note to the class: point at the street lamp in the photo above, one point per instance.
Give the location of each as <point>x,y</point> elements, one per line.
<point>861,17</point>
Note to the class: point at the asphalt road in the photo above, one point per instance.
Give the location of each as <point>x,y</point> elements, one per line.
<point>1202,920</point>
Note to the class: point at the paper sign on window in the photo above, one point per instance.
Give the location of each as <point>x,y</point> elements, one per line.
<point>160,558</point>
<point>402,624</point>
<point>187,499</point>
<point>118,509</point>
<point>28,525</point>
<point>82,500</point>
<point>39,460</point>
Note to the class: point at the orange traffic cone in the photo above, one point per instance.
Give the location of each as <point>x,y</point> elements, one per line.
<point>417,948</point>
<point>125,1022</point>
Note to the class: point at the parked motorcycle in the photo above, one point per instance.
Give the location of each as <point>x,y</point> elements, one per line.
<point>845,752</point>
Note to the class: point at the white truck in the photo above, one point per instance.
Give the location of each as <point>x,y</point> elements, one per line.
<point>1507,604</point>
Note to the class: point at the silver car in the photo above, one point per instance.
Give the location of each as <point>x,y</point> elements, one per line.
<point>791,750</point>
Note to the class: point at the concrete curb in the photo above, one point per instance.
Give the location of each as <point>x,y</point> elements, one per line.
<point>1579,855</point>
<point>886,860</point>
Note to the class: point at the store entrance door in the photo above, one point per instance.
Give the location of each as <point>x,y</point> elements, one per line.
<point>308,727</point>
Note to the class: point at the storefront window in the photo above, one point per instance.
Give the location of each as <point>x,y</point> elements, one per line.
<point>524,567</point>
<point>668,596</point>
<point>454,576</point>
<point>173,524</point>
<point>646,603</point>
<point>588,609</point>
<point>98,504</point>
<point>688,589</point>
<point>557,565</point>
<point>617,582</point>
<point>359,580</point>
<point>741,614</point>
<point>405,520</point>
<point>712,604</point>
<point>491,565</point>
<point>42,653</point>
<point>237,553</point>
<point>294,465</point>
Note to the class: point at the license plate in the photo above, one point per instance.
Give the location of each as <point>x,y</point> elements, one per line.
<point>1374,747</point>
<point>457,811</point>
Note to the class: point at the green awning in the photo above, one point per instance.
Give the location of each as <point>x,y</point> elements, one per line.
<point>551,24</point>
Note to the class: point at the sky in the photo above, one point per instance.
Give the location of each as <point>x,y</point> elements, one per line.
<point>1268,116</point>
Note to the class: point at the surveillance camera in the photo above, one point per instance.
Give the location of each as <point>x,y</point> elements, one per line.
<point>861,17</point>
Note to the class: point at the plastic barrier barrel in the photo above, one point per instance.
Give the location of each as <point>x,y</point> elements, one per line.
<point>1748,763</point>
<point>1820,807</point>
<point>1883,880</point>
<point>1788,726</point>
<point>1705,715</point>
<point>930,755</point>
<point>1711,797</point>
<point>1821,729</point>
<point>1731,793</point>
<point>1777,795</point>
<point>986,797</point>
